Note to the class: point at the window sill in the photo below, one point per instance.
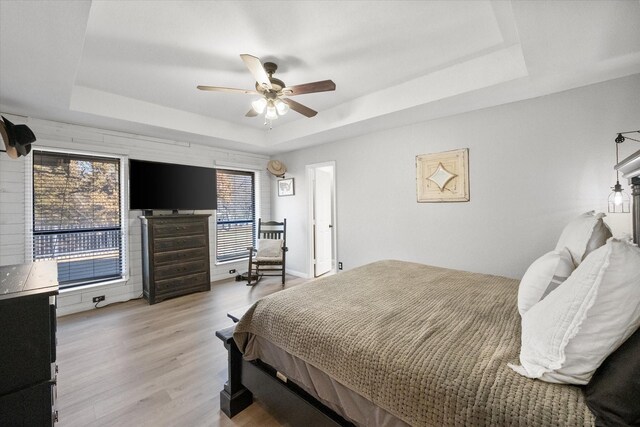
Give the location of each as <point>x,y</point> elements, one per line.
<point>235,261</point>
<point>92,286</point>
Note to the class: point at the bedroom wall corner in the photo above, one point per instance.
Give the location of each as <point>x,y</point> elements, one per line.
<point>291,208</point>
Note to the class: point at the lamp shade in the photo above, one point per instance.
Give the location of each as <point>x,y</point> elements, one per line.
<point>259,104</point>
<point>619,200</point>
<point>281,106</point>
<point>271,113</point>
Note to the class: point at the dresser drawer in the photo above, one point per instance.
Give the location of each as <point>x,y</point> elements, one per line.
<point>184,228</point>
<point>26,342</point>
<point>32,406</point>
<point>179,256</point>
<point>175,243</point>
<point>180,269</point>
<point>180,284</point>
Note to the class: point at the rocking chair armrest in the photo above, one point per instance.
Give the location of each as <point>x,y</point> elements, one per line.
<point>252,249</point>
<point>285,249</point>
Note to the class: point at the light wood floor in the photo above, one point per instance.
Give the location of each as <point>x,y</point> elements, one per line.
<point>132,364</point>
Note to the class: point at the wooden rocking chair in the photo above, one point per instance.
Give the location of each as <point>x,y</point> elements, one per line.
<point>268,258</point>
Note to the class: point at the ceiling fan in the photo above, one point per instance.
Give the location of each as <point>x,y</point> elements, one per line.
<point>273,92</point>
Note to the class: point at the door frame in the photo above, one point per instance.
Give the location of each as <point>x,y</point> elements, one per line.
<point>310,173</point>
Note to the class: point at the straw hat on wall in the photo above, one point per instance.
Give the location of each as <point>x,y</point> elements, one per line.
<point>276,168</point>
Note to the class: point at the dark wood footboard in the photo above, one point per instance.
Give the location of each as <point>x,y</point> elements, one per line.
<point>286,401</point>
<point>234,397</point>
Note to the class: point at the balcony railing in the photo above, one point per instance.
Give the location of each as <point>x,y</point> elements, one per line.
<point>84,256</point>
<point>232,239</point>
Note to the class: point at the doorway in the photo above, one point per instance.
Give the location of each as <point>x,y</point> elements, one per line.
<point>322,218</point>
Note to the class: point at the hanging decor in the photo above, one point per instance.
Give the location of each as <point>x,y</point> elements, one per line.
<point>276,168</point>
<point>619,200</point>
<point>443,177</point>
<point>17,138</point>
<point>285,187</point>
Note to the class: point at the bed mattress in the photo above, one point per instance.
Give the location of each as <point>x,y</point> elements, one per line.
<point>427,345</point>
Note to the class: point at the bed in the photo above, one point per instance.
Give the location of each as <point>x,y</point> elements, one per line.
<point>394,343</point>
<point>385,331</point>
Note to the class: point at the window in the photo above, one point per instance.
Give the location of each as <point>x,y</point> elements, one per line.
<point>77,211</point>
<point>235,216</point>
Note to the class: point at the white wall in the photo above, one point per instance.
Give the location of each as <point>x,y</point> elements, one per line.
<point>533,166</point>
<point>14,203</point>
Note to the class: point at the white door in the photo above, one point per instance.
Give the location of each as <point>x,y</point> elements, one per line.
<point>322,215</point>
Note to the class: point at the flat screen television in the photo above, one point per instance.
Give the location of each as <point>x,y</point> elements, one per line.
<point>166,186</point>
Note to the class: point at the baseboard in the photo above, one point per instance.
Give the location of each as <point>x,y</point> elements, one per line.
<point>297,274</point>
<point>225,276</point>
<point>88,305</point>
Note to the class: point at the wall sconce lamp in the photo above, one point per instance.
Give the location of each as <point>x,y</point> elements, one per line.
<point>619,200</point>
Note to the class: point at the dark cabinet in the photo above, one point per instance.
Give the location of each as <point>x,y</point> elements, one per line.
<point>175,256</point>
<point>28,370</point>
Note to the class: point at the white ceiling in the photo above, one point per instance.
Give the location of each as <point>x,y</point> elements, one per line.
<point>134,66</point>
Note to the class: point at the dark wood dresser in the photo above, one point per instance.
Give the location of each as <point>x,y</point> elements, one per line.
<point>175,256</point>
<point>28,370</point>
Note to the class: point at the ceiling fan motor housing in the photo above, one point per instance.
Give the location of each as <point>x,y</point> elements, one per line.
<point>276,84</point>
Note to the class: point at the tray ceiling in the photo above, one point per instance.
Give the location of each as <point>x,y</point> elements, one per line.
<point>134,66</point>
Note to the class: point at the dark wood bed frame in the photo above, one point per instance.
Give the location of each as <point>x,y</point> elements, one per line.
<point>286,401</point>
<point>630,168</point>
<point>289,402</point>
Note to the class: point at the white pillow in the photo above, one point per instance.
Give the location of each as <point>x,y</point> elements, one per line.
<point>543,276</point>
<point>270,248</point>
<point>601,233</point>
<point>567,335</point>
<point>583,235</point>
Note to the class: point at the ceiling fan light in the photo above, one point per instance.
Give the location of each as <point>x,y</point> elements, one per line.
<point>281,106</point>
<point>259,104</point>
<point>271,113</point>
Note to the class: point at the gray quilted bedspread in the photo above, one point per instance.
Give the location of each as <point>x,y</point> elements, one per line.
<point>427,344</point>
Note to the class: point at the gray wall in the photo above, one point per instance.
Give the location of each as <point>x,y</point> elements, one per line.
<point>533,166</point>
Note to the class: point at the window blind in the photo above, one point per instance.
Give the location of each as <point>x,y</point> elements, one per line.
<point>77,216</point>
<point>235,216</point>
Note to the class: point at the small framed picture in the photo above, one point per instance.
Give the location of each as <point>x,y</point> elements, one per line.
<point>285,187</point>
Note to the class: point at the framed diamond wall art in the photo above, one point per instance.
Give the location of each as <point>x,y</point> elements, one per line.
<point>443,177</point>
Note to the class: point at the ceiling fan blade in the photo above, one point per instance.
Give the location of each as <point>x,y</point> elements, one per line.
<point>251,113</point>
<point>322,86</point>
<point>302,109</point>
<point>227,89</point>
<point>257,70</point>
